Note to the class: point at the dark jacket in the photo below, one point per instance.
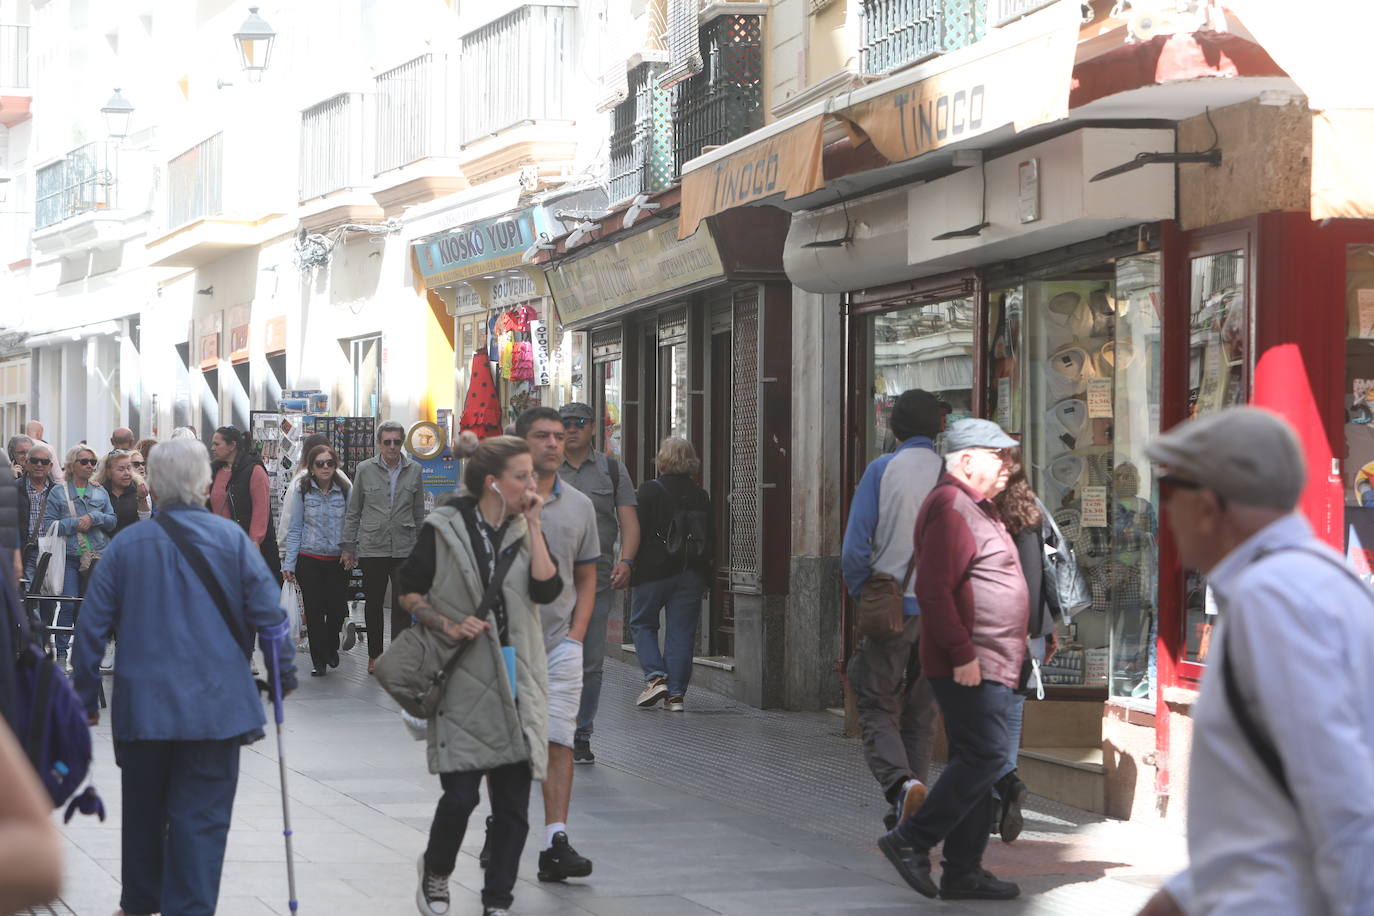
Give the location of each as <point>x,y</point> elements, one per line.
<point>125,507</point>
<point>240,499</point>
<point>973,597</point>
<point>1030,546</point>
<point>658,499</point>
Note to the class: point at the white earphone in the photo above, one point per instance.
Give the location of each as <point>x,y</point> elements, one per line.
<point>494,487</point>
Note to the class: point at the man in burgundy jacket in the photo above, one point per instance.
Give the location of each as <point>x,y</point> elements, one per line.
<point>974,608</point>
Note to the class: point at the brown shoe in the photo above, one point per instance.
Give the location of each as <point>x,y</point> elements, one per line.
<point>371,665</point>
<point>911,799</point>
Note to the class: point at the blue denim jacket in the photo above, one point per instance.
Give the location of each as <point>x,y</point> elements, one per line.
<point>96,504</point>
<point>317,521</point>
<point>179,675</point>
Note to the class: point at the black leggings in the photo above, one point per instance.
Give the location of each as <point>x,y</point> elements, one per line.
<point>324,591</point>
<point>509,790</point>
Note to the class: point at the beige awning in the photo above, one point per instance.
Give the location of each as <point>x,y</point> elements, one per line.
<point>1327,54</point>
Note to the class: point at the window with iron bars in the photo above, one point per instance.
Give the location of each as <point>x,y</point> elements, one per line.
<point>725,100</point>
<point>900,33</point>
<point>516,70</point>
<point>406,114</point>
<point>81,181</point>
<point>195,183</point>
<point>327,154</point>
<point>641,137</point>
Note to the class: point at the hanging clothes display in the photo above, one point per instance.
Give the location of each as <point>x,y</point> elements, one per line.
<point>482,408</point>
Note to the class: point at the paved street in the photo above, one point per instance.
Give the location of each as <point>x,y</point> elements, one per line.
<point>723,809</point>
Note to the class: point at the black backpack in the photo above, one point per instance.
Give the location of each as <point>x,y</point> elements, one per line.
<point>688,538</point>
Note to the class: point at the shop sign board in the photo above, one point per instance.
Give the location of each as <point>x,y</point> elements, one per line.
<point>477,249</point>
<point>641,266</point>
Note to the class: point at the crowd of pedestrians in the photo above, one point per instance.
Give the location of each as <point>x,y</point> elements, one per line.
<point>955,564</point>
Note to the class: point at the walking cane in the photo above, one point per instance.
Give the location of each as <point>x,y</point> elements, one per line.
<point>271,640</point>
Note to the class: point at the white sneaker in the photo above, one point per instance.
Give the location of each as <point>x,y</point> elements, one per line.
<point>418,728</point>
<point>652,693</point>
<point>107,663</point>
<point>432,895</point>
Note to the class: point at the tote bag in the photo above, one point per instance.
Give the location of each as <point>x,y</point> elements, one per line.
<point>55,546</point>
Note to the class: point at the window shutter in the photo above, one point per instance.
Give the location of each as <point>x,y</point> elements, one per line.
<point>684,43</point>
<point>627,48</point>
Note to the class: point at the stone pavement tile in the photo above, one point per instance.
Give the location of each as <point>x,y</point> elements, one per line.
<point>837,899</point>
<point>644,906</point>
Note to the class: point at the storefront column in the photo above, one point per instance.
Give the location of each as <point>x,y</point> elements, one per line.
<point>814,612</point>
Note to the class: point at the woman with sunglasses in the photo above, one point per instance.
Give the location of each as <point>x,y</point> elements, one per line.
<point>239,490</point>
<point>313,552</point>
<point>121,473</point>
<point>85,518</point>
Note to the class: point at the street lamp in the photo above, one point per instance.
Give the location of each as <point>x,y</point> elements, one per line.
<point>118,113</point>
<point>254,39</point>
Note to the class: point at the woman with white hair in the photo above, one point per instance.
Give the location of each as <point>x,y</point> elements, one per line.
<point>85,517</point>
<point>184,701</point>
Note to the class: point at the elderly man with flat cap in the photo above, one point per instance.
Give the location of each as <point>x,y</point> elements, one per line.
<point>975,608</point>
<point>1281,780</point>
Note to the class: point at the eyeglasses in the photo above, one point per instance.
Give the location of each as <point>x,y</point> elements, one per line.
<point>139,464</point>
<point>88,462</point>
<point>575,422</point>
<point>325,463</point>
<point>391,442</point>
<point>40,461</point>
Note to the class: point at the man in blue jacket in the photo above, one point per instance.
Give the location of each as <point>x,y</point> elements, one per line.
<point>897,709</point>
<point>184,699</point>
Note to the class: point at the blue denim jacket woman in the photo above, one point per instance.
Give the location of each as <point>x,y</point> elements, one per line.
<point>82,536</point>
<point>317,520</point>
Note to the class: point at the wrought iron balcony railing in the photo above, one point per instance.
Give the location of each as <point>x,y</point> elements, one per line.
<point>900,33</point>
<point>517,69</point>
<point>80,182</point>
<point>641,137</point>
<point>328,162</point>
<point>725,100</point>
<point>412,117</point>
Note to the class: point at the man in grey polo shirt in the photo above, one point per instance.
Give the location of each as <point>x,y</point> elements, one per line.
<point>607,482</point>
<point>570,528</point>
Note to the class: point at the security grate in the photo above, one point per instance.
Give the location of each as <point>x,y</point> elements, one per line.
<point>641,138</point>
<point>725,100</point>
<point>606,343</point>
<point>746,527</point>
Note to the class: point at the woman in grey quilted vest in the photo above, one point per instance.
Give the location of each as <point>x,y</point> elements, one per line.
<point>493,719</point>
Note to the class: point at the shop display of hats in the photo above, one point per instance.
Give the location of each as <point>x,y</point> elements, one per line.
<point>1067,420</point>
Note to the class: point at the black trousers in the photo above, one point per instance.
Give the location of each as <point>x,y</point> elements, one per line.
<point>377,572</point>
<point>324,592</point>
<point>509,788</point>
<point>959,807</point>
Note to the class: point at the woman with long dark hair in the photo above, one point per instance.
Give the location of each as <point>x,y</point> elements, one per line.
<point>1025,518</point>
<point>239,491</point>
<point>318,503</point>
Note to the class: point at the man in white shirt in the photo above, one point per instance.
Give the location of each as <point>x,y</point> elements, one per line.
<point>1281,790</point>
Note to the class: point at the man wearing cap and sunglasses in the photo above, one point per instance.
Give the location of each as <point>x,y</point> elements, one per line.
<point>1281,775</point>
<point>607,482</point>
<point>974,608</point>
<point>385,510</point>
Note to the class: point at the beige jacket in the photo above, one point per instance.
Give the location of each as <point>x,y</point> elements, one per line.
<point>479,725</point>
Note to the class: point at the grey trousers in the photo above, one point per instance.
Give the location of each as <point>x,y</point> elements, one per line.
<point>897,709</point>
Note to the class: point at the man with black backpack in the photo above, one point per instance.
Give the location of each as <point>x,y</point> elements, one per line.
<point>673,572</point>
<point>1281,778</point>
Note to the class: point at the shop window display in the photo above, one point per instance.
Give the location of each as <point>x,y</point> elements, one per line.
<point>611,378</point>
<point>673,385</point>
<point>1074,370</point>
<point>924,346</point>
<point>1358,466</point>
<point>1217,360</point>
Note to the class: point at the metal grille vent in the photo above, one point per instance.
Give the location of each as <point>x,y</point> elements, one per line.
<point>746,527</point>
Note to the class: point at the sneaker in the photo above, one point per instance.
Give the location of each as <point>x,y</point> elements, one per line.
<point>656,690</point>
<point>911,863</point>
<point>674,703</point>
<point>582,751</point>
<point>432,895</point>
<point>561,861</point>
<point>107,662</point>
<point>350,638</point>
<point>1013,791</point>
<point>484,857</point>
<point>911,796</point>
<point>979,884</point>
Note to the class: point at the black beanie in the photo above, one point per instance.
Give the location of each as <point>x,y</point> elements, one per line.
<point>917,413</point>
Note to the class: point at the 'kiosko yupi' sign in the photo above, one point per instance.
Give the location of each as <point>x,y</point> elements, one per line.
<point>476,249</point>
<point>641,266</point>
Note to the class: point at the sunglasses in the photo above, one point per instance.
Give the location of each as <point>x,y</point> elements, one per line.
<point>575,422</point>
<point>139,464</point>
<point>88,462</point>
<point>391,442</point>
<point>40,461</point>
<point>325,463</point>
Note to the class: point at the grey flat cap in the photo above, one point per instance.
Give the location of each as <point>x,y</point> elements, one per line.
<point>972,432</point>
<point>1248,455</point>
<point>576,410</point>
